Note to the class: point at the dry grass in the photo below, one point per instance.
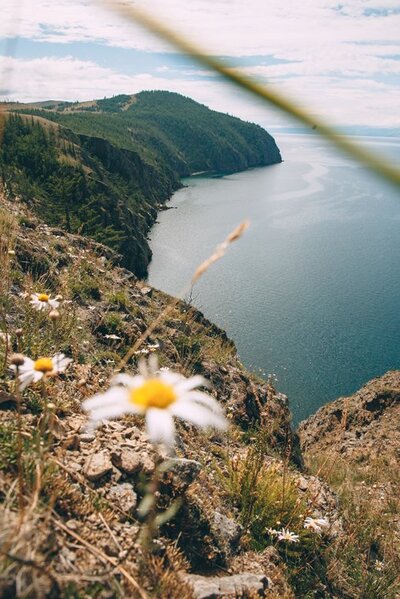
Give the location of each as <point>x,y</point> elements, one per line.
<point>364,563</point>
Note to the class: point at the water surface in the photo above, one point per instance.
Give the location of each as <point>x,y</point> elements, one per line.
<point>312,292</point>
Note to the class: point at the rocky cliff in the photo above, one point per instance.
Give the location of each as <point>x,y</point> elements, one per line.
<point>353,443</point>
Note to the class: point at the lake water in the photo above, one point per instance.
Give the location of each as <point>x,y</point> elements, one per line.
<point>311,293</point>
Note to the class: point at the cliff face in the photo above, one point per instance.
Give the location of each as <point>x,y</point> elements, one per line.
<point>360,427</point>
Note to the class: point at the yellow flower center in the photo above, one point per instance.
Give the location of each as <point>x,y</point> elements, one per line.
<point>153,394</point>
<point>43,297</point>
<point>44,365</point>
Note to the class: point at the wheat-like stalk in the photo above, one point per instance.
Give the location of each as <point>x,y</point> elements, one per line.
<point>267,94</point>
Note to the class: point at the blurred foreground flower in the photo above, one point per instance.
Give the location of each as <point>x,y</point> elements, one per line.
<point>42,301</point>
<point>159,396</point>
<point>31,371</point>
<point>316,524</point>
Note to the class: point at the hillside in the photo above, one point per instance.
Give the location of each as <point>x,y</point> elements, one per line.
<point>243,517</point>
<point>104,168</point>
<point>79,536</point>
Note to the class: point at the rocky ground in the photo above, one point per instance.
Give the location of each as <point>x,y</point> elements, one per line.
<point>71,522</point>
<point>354,444</point>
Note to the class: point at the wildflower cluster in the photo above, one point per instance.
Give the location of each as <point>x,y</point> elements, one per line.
<point>316,525</point>
<point>159,395</point>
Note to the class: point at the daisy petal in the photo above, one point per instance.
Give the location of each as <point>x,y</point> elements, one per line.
<point>27,366</point>
<point>111,411</point>
<point>153,364</point>
<point>198,415</point>
<point>189,384</point>
<point>27,379</point>
<point>110,397</point>
<point>128,380</point>
<point>160,426</point>
<point>171,378</point>
<point>204,399</point>
<point>142,367</point>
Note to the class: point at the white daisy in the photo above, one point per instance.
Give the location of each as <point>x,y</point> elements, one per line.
<point>286,535</point>
<point>31,371</point>
<point>42,301</point>
<point>316,524</point>
<point>159,396</point>
<point>379,565</point>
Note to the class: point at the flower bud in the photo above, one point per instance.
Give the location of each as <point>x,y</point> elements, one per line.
<point>19,333</point>
<point>17,360</point>
<point>54,315</point>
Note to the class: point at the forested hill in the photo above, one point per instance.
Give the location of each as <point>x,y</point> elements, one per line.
<point>104,167</point>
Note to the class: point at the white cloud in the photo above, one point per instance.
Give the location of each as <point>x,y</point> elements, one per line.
<point>346,102</point>
<point>324,43</point>
<point>231,27</point>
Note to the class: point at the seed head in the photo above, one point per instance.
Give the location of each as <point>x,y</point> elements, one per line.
<point>54,315</point>
<point>17,360</point>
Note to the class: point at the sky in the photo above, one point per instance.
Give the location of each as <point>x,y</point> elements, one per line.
<point>340,60</point>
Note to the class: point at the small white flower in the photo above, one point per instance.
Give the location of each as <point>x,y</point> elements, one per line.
<point>142,352</point>
<point>42,301</point>
<point>32,371</point>
<point>316,524</point>
<point>153,347</point>
<point>379,565</point>
<point>159,396</point>
<point>286,535</point>
<point>272,532</point>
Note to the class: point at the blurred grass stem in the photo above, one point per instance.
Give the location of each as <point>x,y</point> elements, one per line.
<point>381,167</point>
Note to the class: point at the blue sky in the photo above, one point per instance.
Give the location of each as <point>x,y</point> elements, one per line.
<point>340,60</point>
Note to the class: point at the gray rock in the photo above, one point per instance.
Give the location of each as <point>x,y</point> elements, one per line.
<point>227,586</point>
<point>72,524</point>
<point>132,461</point>
<point>97,466</point>
<point>124,496</point>
<point>302,483</point>
<point>86,438</point>
<point>183,472</point>
<point>227,529</point>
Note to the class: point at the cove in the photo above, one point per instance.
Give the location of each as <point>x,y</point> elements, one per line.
<point>311,293</point>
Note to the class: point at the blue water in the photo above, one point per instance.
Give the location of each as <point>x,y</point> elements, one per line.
<point>311,293</point>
